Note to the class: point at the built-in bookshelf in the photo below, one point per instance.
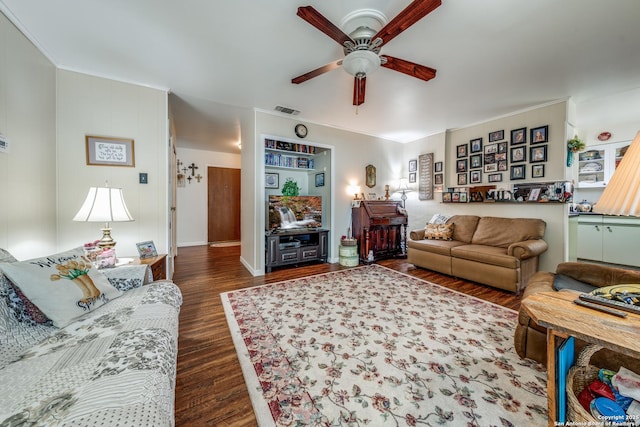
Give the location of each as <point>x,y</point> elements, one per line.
<point>288,155</point>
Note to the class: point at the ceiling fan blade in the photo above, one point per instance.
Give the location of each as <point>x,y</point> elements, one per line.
<point>409,68</point>
<point>316,19</point>
<point>315,73</point>
<point>359,85</point>
<point>417,10</point>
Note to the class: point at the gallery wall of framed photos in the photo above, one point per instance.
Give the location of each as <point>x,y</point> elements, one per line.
<point>518,149</point>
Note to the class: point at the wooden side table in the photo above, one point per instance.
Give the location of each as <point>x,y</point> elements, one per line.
<point>562,318</point>
<point>158,265</point>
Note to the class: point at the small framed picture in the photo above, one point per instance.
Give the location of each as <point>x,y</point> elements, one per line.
<point>413,165</point>
<point>461,165</point>
<point>538,153</point>
<point>502,147</point>
<point>271,180</point>
<point>107,151</point>
<point>437,167</point>
<point>518,172</point>
<point>496,136</point>
<point>412,177</point>
<point>495,177</point>
<point>490,148</point>
<point>476,145</point>
<point>534,195</point>
<point>320,179</point>
<point>540,134</point>
<point>462,150</point>
<point>518,154</point>
<point>476,161</point>
<point>462,179</point>
<point>537,171</point>
<point>455,197</point>
<point>475,177</point>
<point>519,136</point>
<point>464,197</point>
<point>446,197</point>
<point>491,167</point>
<point>146,249</point>
<point>438,179</point>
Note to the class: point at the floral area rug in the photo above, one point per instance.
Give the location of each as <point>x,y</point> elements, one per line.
<point>371,346</point>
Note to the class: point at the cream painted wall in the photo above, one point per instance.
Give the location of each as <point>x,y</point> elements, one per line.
<point>192,206</point>
<point>444,148</point>
<point>28,171</point>
<point>351,153</point>
<point>88,105</point>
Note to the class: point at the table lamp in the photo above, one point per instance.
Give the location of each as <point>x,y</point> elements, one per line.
<point>621,196</point>
<point>403,187</point>
<point>104,204</point>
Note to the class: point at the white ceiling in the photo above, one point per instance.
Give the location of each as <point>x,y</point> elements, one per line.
<point>221,59</point>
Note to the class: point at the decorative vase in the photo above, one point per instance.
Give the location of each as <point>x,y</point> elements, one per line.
<point>570,157</point>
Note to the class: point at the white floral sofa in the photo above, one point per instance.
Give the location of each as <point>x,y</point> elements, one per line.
<point>115,364</point>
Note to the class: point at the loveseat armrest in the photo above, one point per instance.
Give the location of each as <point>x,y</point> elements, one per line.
<point>596,274</point>
<point>417,234</point>
<point>527,248</point>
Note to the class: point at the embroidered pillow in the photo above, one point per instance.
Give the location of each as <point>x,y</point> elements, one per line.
<point>438,231</point>
<point>63,286</point>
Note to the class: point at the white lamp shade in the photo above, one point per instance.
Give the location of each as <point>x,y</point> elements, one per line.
<point>403,185</point>
<point>104,204</point>
<point>622,194</point>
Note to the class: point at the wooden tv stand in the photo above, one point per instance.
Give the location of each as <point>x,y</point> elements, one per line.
<point>294,246</point>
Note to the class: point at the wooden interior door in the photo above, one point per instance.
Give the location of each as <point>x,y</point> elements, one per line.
<point>223,204</point>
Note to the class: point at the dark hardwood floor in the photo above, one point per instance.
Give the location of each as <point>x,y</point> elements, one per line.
<point>210,388</point>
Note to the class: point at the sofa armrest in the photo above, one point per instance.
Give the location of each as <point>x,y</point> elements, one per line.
<point>417,234</point>
<point>596,274</point>
<point>527,249</point>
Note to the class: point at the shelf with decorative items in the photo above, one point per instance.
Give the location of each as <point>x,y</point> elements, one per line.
<point>534,192</point>
<point>288,155</point>
<point>597,163</point>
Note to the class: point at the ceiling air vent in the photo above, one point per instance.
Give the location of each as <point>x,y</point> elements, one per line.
<point>287,110</point>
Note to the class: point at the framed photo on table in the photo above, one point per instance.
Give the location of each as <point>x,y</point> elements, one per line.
<point>146,249</point>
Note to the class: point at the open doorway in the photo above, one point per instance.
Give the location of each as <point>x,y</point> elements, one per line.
<point>223,202</point>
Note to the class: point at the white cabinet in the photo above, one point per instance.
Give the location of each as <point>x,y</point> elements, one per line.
<point>597,163</point>
<point>609,239</point>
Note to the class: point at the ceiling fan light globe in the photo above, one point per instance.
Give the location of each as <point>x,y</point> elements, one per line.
<point>361,62</point>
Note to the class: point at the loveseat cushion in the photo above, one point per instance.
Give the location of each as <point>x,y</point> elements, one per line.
<point>560,282</point>
<point>465,226</point>
<point>442,247</point>
<point>501,232</point>
<point>486,254</point>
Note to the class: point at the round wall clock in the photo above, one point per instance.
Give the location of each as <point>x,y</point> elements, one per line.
<point>301,130</point>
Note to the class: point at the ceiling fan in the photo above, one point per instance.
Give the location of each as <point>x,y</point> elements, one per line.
<point>362,45</point>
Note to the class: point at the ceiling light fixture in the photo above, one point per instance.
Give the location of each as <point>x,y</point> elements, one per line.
<point>361,63</point>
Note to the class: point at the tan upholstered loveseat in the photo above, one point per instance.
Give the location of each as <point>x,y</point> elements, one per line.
<point>530,339</point>
<point>499,252</point>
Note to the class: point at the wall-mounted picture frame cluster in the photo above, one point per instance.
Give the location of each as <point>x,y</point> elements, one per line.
<point>526,146</point>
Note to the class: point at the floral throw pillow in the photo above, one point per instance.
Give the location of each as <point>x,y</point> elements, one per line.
<point>64,286</point>
<point>438,231</point>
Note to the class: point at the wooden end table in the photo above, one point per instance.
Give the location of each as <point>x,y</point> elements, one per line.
<point>158,265</point>
<point>562,318</point>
